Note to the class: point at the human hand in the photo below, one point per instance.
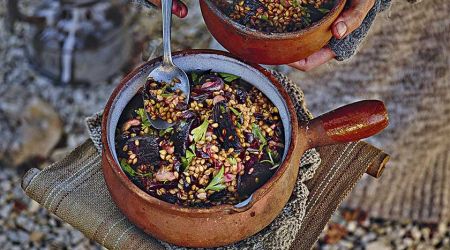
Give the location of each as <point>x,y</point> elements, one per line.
<point>348,21</point>
<point>178,7</point>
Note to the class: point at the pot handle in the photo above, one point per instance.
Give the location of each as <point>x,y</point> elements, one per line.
<point>349,123</point>
<point>14,14</point>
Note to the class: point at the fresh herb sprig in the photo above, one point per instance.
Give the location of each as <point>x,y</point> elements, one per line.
<point>190,154</point>
<point>271,161</point>
<point>258,134</point>
<point>165,131</point>
<point>237,113</point>
<point>216,183</point>
<point>199,132</point>
<point>130,171</point>
<point>144,119</point>
<point>228,77</point>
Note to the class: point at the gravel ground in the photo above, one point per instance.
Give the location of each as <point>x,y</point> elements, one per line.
<point>353,229</point>
<point>26,225</point>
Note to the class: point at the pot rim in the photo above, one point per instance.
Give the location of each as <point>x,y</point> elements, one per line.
<point>273,36</point>
<point>153,201</point>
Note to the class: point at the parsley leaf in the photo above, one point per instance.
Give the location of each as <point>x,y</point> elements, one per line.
<point>165,131</point>
<point>186,161</point>
<point>271,161</point>
<point>130,171</point>
<point>216,183</point>
<point>145,122</point>
<point>199,132</point>
<point>257,133</point>
<point>194,77</point>
<point>237,113</point>
<point>228,77</point>
<point>323,10</point>
<point>232,161</point>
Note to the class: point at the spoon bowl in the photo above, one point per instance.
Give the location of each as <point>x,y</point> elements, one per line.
<point>168,71</point>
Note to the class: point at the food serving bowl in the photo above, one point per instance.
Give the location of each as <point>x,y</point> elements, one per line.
<point>268,48</point>
<point>224,224</point>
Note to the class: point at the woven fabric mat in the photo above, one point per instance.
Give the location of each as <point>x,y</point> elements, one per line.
<point>74,189</point>
<point>405,61</point>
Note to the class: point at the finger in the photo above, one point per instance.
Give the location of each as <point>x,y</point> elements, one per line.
<point>178,7</point>
<point>352,18</point>
<point>320,57</point>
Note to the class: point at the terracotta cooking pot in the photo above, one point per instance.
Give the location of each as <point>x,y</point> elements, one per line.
<point>268,48</point>
<point>225,224</point>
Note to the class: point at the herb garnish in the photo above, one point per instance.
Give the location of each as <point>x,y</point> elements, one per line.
<point>323,10</point>
<point>194,77</point>
<point>228,77</point>
<point>216,183</point>
<point>199,132</point>
<point>145,122</point>
<point>274,165</point>
<point>257,133</point>
<point>237,113</point>
<point>130,171</point>
<point>232,161</point>
<point>190,154</point>
<point>165,131</point>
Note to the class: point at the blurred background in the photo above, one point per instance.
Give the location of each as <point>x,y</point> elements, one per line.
<point>60,63</point>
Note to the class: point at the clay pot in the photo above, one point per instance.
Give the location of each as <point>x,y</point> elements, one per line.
<point>268,48</point>
<point>225,224</point>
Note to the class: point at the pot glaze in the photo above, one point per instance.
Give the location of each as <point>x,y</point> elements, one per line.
<point>223,224</point>
<point>268,48</point>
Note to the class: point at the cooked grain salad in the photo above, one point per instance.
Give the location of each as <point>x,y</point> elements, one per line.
<point>275,16</point>
<point>225,145</point>
<point>163,101</point>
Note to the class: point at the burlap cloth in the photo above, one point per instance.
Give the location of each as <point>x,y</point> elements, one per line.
<point>75,191</point>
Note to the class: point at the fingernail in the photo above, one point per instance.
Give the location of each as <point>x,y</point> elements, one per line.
<point>341,29</point>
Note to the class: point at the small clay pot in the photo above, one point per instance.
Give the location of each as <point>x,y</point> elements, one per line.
<point>268,48</point>
<point>225,224</point>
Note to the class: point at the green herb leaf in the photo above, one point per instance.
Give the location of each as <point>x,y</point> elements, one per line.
<point>192,147</point>
<point>130,171</point>
<point>295,3</point>
<point>165,131</point>
<point>264,17</point>
<point>194,77</point>
<point>216,183</point>
<point>232,161</point>
<point>127,168</point>
<point>167,95</point>
<point>144,119</point>
<point>323,10</point>
<point>237,113</point>
<point>271,161</point>
<point>186,161</point>
<point>199,132</point>
<point>228,77</point>
<point>258,134</point>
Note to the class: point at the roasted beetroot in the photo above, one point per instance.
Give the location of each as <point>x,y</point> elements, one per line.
<point>253,179</point>
<point>225,132</point>
<point>180,137</point>
<point>146,149</point>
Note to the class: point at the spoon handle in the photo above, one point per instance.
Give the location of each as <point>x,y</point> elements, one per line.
<point>167,23</point>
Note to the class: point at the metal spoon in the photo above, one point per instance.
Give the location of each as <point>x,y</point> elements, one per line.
<point>167,71</point>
